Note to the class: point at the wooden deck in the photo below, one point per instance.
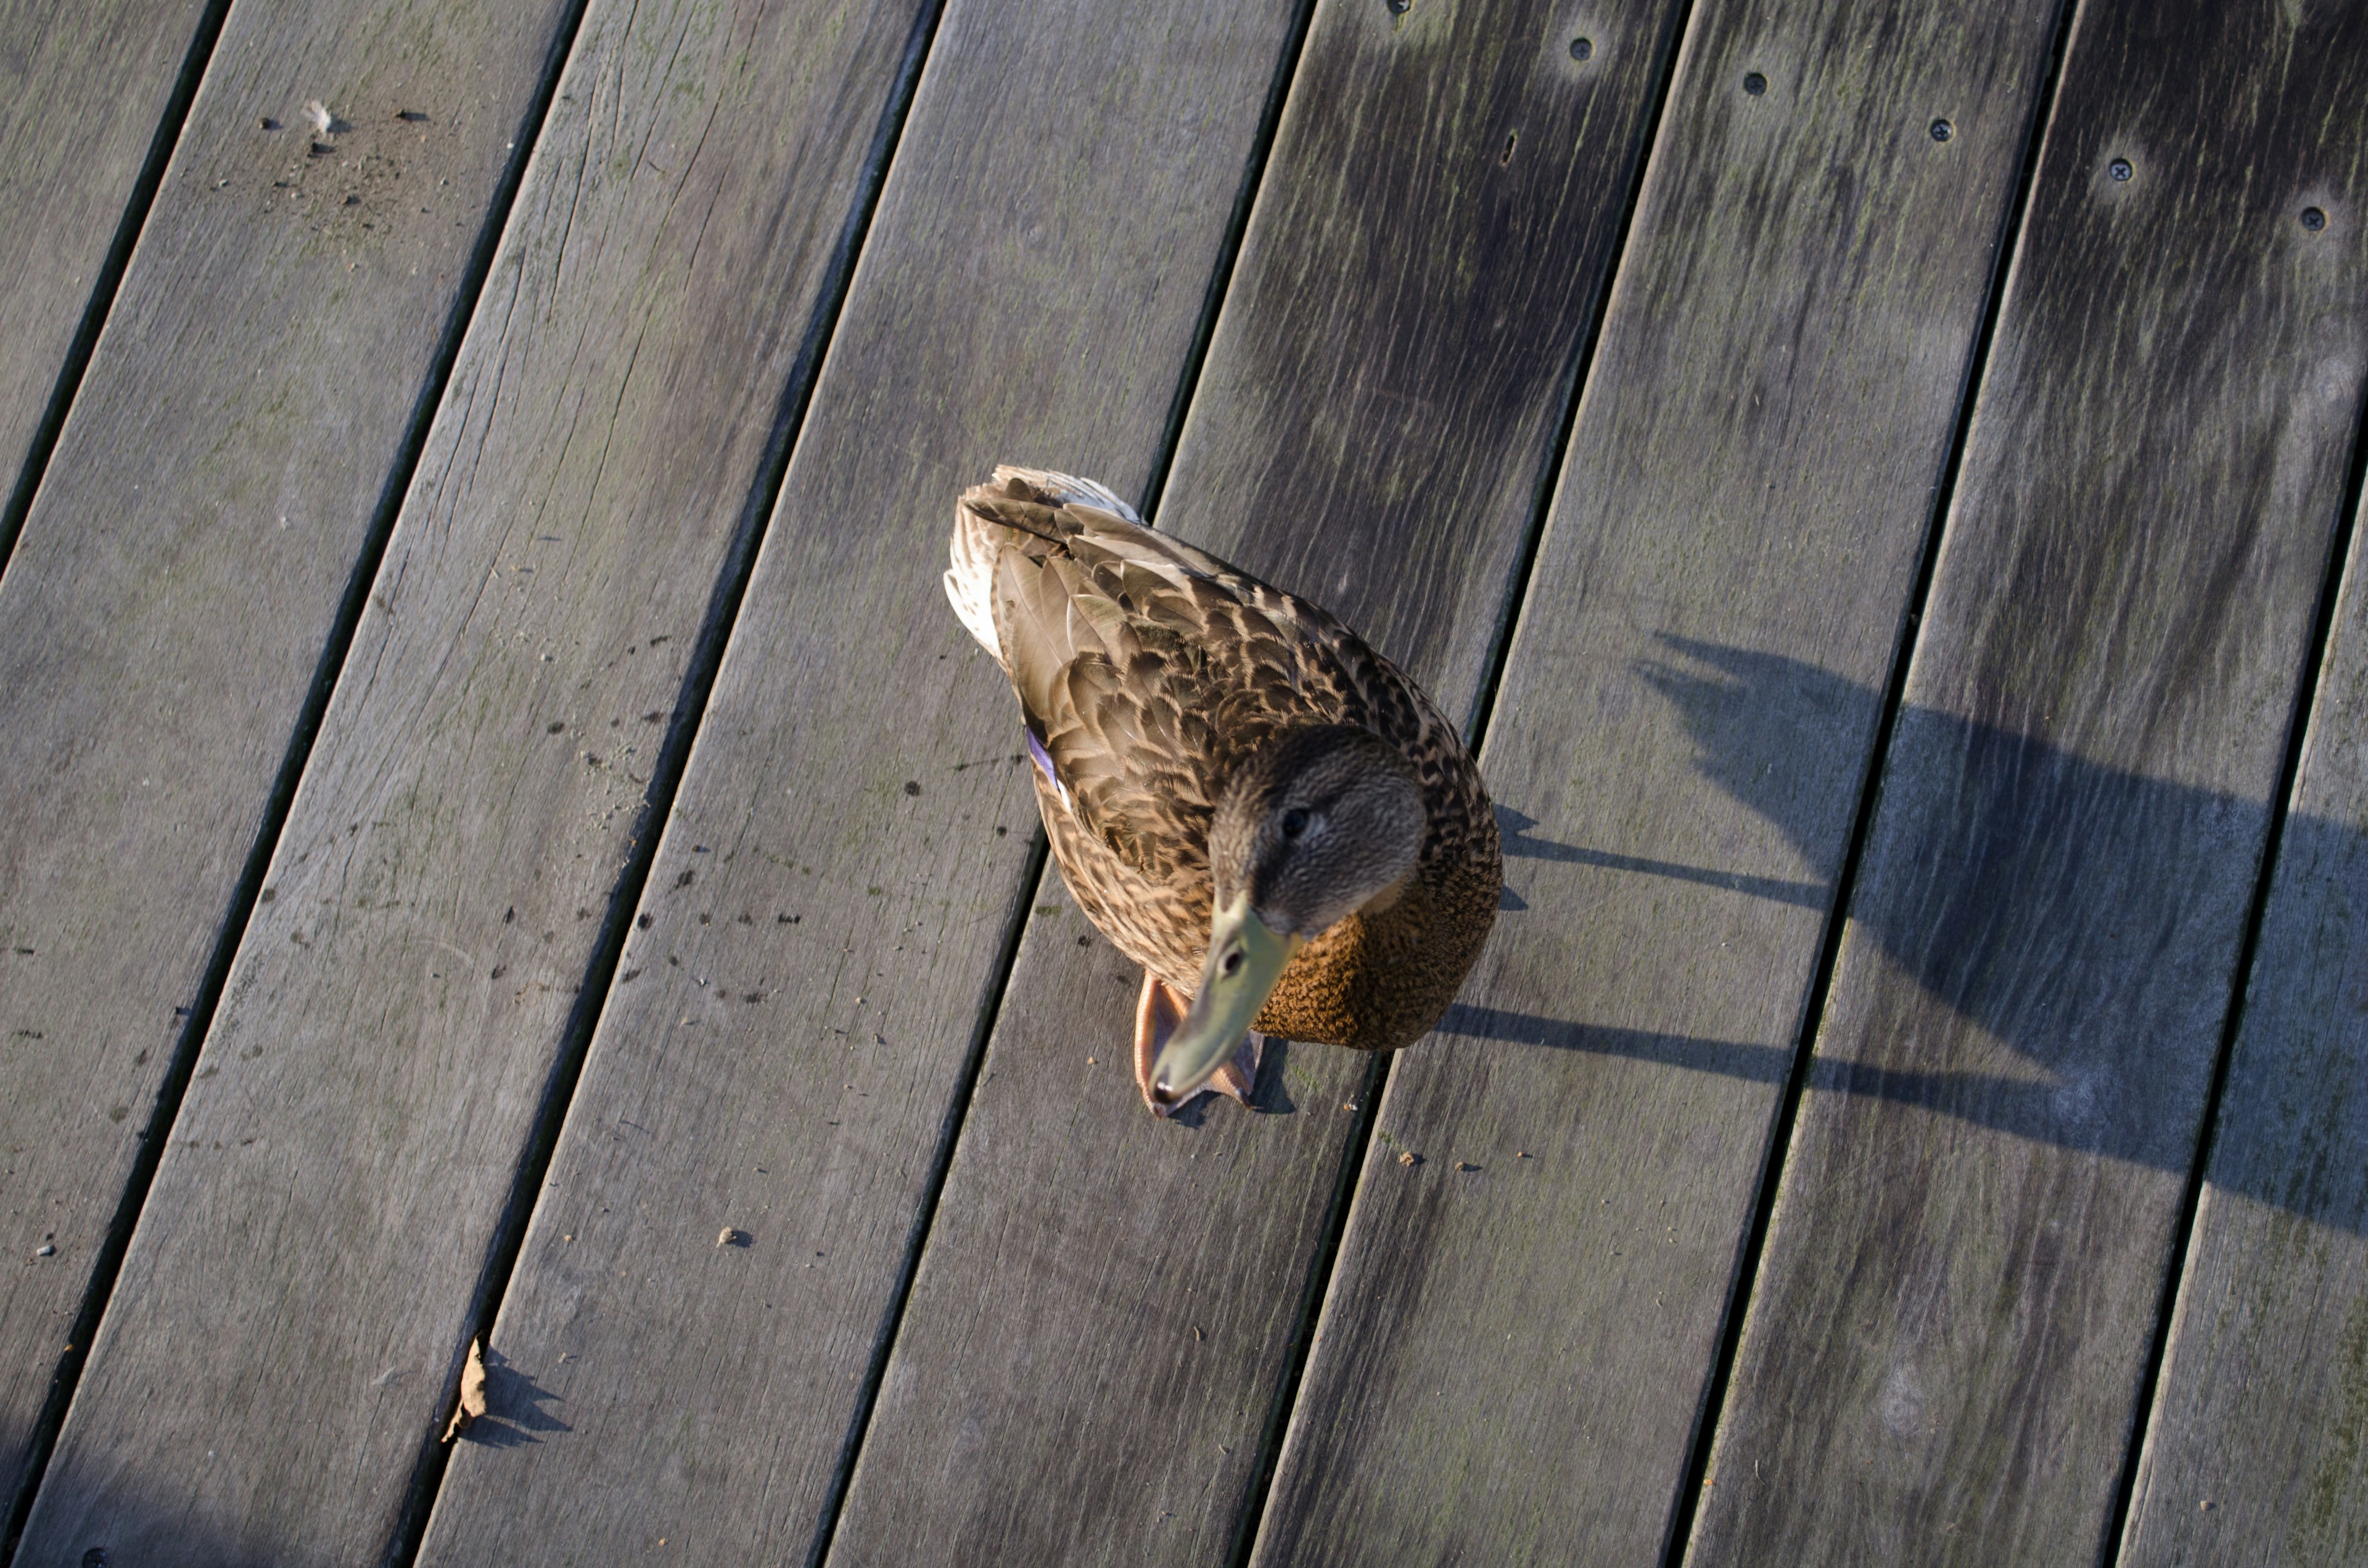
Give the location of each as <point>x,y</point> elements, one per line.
<point>501,836</point>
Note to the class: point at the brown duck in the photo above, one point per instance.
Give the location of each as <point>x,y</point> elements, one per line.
<point>1261,811</point>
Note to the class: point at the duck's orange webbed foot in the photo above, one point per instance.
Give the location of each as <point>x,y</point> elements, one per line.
<point>1157,1013</point>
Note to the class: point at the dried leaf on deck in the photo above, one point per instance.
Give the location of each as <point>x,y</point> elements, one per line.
<point>473,1393</point>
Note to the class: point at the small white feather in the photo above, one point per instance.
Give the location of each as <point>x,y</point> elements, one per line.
<point>966,587</point>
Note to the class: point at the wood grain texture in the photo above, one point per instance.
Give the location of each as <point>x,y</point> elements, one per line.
<point>323,1218</point>
<point>831,906</point>
<point>1376,421</point>
<point>1108,1306</point>
<point>2256,1448</point>
<point>1099,1322</point>
<point>164,612</point>
<point>1512,1355</point>
<point>83,90</point>
<point>1943,1353</point>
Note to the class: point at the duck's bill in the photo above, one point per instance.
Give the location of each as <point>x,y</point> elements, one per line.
<point>1247,956</point>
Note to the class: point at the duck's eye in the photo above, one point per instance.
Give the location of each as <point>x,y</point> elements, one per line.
<point>1294,821</point>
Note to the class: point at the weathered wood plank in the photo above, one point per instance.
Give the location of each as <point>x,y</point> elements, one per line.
<point>1511,1358</point>
<point>1108,1307</point>
<point>2254,1450</point>
<point>1099,1322</point>
<point>800,1000</point>
<point>163,615</point>
<point>1377,420</point>
<point>1942,1357</point>
<point>615,425</point>
<point>84,91</point>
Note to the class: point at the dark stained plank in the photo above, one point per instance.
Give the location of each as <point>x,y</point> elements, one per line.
<point>1944,1350</point>
<point>800,1003</point>
<point>285,1337</point>
<point>164,612</point>
<point>84,89</point>
<point>1376,424</point>
<point>1108,1306</point>
<point>2254,1449</point>
<point>1511,1358</point>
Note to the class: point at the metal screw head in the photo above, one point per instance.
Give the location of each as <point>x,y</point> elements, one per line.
<point>1942,131</point>
<point>1755,83</point>
<point>2313,219</point>
<point>2120,168</point>
<point>1580,48</point>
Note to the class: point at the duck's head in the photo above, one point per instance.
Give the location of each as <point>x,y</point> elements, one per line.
<point>1319,823</point>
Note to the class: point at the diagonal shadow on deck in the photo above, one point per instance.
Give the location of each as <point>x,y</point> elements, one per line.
<point>2037,895</point>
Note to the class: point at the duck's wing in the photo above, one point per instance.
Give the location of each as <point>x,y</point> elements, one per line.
<point>979,542</point>
<point>1145,668</point>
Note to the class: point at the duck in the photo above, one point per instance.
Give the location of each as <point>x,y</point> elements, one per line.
<point>1250,803</point>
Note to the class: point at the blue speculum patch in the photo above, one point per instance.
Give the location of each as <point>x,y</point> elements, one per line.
<point>1044,762</point>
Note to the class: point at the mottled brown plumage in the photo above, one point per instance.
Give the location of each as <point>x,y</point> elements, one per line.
<point>1149,672</point>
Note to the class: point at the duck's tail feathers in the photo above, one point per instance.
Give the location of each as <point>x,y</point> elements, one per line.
<point>1021,499</point>
<point>1055,490</point>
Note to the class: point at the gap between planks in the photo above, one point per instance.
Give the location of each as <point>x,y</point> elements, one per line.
<point>175,1081</point>
<point>666,778</point>
<point>1780,1134</point>
<point>109,276</point>
<point>1357,1147</point>
<point>1030,883</point>
<point>478,1492</point>
<point>2109,1548</point>
<point>1319,1187</point>
<point>2302,610</point>
<point>1415,1334</point>
<point>1220,279</point>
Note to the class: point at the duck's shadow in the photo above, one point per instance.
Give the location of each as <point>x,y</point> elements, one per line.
<point>1270,1095</point>
<point>2070,910</point>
